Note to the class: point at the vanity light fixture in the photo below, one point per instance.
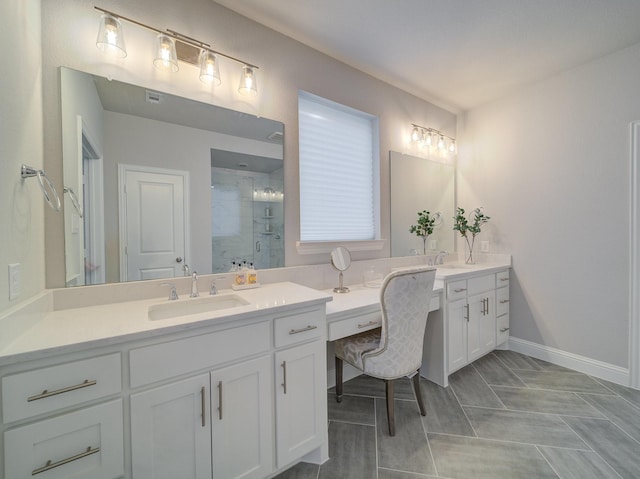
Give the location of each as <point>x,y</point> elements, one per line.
<point>171,47</point>
<point>424,136</point>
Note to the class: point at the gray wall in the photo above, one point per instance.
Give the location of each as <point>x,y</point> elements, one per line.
<point>21,202</point>
<point>551,166</point>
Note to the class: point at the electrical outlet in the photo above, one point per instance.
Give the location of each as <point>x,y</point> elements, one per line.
<point>15,281</point>
<point>484,246</point>
<point>433,244</point>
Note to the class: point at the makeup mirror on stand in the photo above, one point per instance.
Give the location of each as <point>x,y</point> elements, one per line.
<point>341,260</point>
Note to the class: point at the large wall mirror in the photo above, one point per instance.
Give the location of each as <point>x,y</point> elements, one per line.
<point>159,186</point>
<point>419,184</point>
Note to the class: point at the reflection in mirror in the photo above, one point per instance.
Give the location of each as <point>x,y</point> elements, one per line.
<point>341,260</point>
<point>149,171</point>
<point>419,184</point>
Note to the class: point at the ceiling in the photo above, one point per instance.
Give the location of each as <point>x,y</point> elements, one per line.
<point>458,54</point>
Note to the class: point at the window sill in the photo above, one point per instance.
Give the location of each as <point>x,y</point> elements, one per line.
<point>318,247</point>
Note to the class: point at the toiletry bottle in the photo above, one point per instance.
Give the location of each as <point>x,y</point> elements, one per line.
<point>252,276</point>
<point>241,276</point>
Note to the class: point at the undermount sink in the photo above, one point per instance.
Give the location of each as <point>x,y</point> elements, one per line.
<point>185,307</point>
<point>456,266</point>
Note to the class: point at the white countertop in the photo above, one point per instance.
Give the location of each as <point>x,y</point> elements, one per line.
<point>39,330</point>
<point>70,330</point>
<point>360,300</point>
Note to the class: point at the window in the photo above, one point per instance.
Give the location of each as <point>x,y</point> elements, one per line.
<point>339,172</point>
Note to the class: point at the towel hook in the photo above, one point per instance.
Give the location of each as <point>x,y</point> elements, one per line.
<point>29,171</point>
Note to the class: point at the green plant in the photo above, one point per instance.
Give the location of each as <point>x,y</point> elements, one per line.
<point>424,227</point>
<point>466,229</point>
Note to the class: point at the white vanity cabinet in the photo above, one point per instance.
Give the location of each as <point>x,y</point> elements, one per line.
<point>220,423</point>
<point>64,421</point>
<point>502,307</point>
<point>300,394</point>
<point>470,311</point>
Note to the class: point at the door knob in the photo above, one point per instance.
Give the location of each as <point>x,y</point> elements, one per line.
<point>179,259</point>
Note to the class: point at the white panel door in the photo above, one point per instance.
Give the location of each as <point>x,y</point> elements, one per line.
<point>171,431</point>
<point>154,217</point>
<point>482,325</point>
<point>242,420</point>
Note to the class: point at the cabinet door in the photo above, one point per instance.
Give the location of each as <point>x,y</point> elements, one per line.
<point>301,401</point>
<point>481,334</point>
<point>241,405</point>
<point>457,333</point>
<point>171,431</point>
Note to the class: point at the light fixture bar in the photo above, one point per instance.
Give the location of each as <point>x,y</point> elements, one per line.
<point>432,130</point>
<point>176,36</point>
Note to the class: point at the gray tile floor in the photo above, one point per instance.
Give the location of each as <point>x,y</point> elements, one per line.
<point>504,416</point>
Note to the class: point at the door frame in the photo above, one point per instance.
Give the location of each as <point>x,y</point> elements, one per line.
<point>123,170</point>
<point>634,258</point>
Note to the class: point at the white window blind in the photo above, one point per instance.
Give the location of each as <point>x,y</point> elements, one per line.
<point>338,171</point>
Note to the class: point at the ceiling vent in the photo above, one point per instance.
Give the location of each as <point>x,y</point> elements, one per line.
<point>153,97</point>
<point>276,137</point>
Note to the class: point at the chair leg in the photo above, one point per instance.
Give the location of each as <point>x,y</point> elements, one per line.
<point>338,379</point>
<point>391,415</point>
<point>416,387</point>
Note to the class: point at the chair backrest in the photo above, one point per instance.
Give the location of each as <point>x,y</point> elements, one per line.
<point>405,297</point>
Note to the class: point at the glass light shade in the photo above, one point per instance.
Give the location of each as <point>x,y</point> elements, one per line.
<point>452,146</point>
<point>415,134</point>
<point>248,85</point>
<point>110,38</point>
<point>429,139</point>
<point>441,143</point>
<point>209,70</point>
<point>166,57</point>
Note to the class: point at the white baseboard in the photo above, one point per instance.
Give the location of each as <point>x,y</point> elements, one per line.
<point>592,367</point>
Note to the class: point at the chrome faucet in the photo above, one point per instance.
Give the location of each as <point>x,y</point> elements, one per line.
<point>213,291</point>
<point>440,257</point>
<point>194,285</point>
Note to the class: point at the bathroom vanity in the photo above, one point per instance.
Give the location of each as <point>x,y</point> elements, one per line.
<point>225,386</point>
<point>108,392</point>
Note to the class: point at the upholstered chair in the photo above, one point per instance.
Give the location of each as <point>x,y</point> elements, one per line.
<point>395,349</point>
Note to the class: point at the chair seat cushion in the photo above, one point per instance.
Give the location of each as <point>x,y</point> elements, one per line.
<point>351,348</point>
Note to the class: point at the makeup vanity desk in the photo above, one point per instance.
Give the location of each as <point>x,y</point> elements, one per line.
<point>469,316</point>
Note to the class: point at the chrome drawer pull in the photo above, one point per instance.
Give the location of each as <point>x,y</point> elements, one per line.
<point>51,465</point>
<point>370,323</point>
<point>302,330</point>
<point>504,279</point>
<point>220,400</point>
<point>46,394</point>
<point>502,301</point>
<point>503,330</point>
<point>459,290</point>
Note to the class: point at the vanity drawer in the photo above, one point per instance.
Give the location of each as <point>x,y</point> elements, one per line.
<point>481,284</point>
<point>456,290</point>
<point>84,444</point>
<point>502,332</point>
<point>298,327</point>
<point>49,389</point>
<point>354,325</point>
<point>502,279</point>
<point>502,300</point>
<point>183,356</point>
